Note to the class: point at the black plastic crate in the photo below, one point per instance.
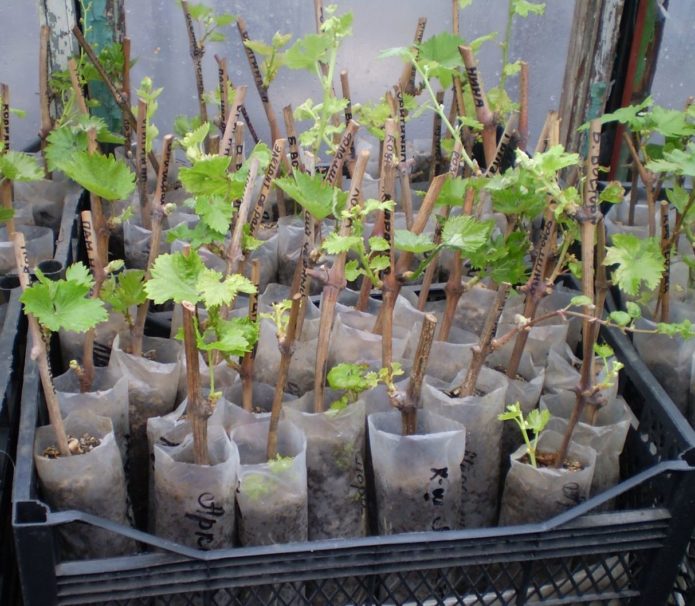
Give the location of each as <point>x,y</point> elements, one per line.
<point>630,555</point>
<point>12,347</point>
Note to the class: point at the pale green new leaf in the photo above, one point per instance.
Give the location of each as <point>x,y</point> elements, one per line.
<point>18,166</point>
<point>313,194</point>
<point>414,243</point>
<point>637,260</point>
<point>378,244</point>
<point>207,177</point>
<point>334,244</point>
<point>306,52</point>
<point>524,8</point>
<point>124,290</point>
<point>214,291</point>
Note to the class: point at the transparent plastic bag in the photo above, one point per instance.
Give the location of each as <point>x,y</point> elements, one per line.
<point>261,399</point>
<point>72,343</point>
<point>537,494</point>
<point>418,477</point>
<point>480,468</point>
<point>335,466</point>
<point>93,482</point>
<point>39,244</point>
<point>606,435</point>
<point>272,495</point>
<point>108,397</point>
<point>152,387</point>
<point>194,504</point>
<point>272,500</point>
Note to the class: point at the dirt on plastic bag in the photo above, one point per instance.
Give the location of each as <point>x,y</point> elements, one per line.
<point>480,468</point>
<point>93,482</point>
<point>272,499</point>
<point>418,485</point>
<point>153,381</point>
<point>194,504</point>
<point>537,494</point>
<point>335,466</point>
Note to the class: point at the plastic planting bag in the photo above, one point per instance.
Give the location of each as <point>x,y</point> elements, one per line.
<point>418,477</point>
<point>93,482</point>
<point>352,339</point>
<point>289,247</point>
<point>472,309</point>
<point>669,358</point>
<point>537,494</point>
<point>261,399</point>
<point>72,343</point>
<point>136,239</point>
<point>194,504</point>
<point>335,466</point>
<point>480,468</point>
<point>108,397</point>
<point>39,242</point>
<point>45,198</point>
<point>272,495</point>
<point>300,377</point>
<point>606,434</point>
<point>418,487</point>
<point>272,501</point>
<point>153,381</point>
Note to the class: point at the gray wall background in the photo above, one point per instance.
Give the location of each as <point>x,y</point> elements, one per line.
<point>160,44</point>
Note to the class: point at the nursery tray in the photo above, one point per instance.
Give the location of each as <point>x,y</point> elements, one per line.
<point>12,347</point>
<point>630,554</point>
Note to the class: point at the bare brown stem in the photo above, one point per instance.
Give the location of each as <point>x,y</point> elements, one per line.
<point>334,283</point>
<point>417,375</point>
<point>407,79</point>
<point>226,145</point>
<point>258,79</point>
<point>436,138</point>
<point>197,409</point>
<point>523,106</point>
<point>157,215</point>
<point>286,345</point>
<point>484,347</point>
<point>196,51</point>
<point>248,361</point>
<point>141,163</point>
<point>44,97</point>
<point>39,352</point>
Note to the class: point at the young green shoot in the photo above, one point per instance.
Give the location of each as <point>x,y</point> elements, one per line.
<point>535,422</point>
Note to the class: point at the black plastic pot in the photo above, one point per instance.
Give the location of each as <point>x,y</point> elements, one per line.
<point>632,553</point>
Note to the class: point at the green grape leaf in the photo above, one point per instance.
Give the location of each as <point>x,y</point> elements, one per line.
<point>349,377</point>
<point>379,263</point>
<point>633,309</point>
<point>352,271</point>
<point>466,234</point>
<point>581,301</point>
<point>18,166</point>
<point>676,161</point>
<point>334,244</point>
<point>523,8</point>
<point>621,318</point>
<point>613,193</point>
<point>124,290</point>
<point>313,194</point>
<point>208,176</point>
<point>214,291</point>
<point>638,261</point>
<point>441,57</point>
<point>216,212</point>
<point>306,52</point>
<point>174,277</point>
<point>452,192</point>
<point>104,176</point>
<point>678,196</point>
<point>378,244</point>
<point>64,304</point>
<point>414,243</point>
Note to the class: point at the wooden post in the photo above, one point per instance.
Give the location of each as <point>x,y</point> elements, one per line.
<point>60,17</point>
<point>588,72</point>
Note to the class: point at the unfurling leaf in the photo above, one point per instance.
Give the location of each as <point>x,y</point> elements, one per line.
<point>104,176</point>
<point>415,243</point>
<point>18,166</point>
<point>638,261</point>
